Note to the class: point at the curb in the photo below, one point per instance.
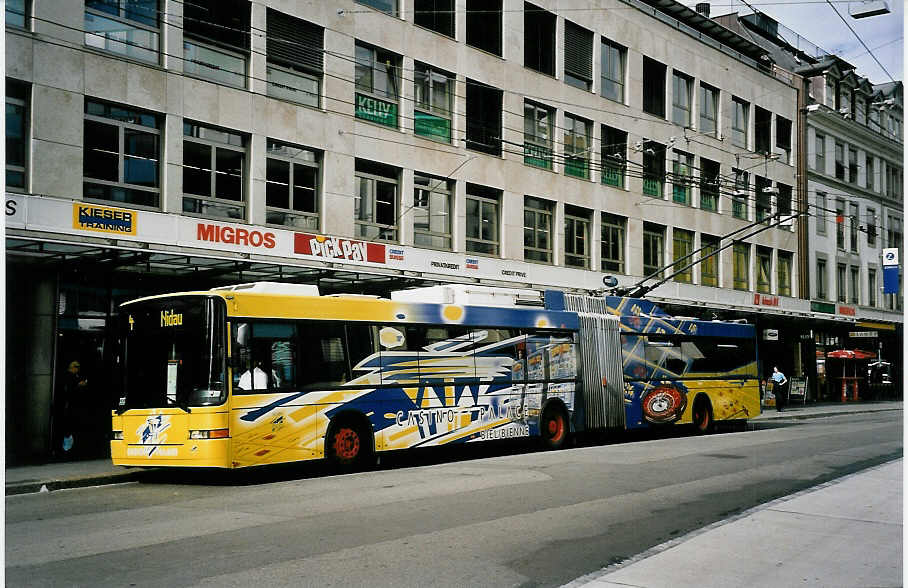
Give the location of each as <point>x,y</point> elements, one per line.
<point>796,416</point>
<point>33,487</point>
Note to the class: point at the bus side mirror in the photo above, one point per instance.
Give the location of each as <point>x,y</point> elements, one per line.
<point>242,334</point>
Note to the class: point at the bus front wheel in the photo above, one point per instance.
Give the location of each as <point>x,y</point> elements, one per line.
<point>553,427</point>
<point>703,416</point>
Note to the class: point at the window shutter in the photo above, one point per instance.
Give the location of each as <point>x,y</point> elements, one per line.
<point>578,51</point>
<point>294,41</point>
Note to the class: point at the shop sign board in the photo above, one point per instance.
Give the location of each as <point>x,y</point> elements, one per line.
<point>15,211</point>
<point>375,110</point>
<point>847,310</point>
<point>863,334</point>
<point>767,300</point>
<point>890,270</point>
<point>826,307</point>
<point>105,219</point>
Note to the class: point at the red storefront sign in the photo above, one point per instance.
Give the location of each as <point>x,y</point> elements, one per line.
<point>767,300</point>
<point>338,248</point>
<point>847,310</point>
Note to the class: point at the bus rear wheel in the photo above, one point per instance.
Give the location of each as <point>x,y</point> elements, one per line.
<point>703,416</point>
<point>348,446</point>
<point>553,427</point>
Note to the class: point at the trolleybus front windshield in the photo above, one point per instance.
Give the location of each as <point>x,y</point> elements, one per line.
<point>173,353</point>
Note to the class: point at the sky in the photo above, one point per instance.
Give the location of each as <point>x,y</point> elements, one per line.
<point>816,21</point>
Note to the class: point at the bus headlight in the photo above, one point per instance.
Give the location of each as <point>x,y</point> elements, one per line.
<point>209,434</point>
<point>116,435</point>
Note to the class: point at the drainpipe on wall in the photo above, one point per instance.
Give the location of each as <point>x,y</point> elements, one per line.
<point>803,201</point>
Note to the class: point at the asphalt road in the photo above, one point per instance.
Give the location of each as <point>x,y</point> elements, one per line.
<point>497,519</point>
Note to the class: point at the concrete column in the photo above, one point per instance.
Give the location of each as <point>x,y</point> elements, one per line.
<point>38,337</point>
<point>257,71</point>
<point>255,182</point>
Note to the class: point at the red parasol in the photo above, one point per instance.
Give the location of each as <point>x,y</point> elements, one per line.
<point>851,354</point>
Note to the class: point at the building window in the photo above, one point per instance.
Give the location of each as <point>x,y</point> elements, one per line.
<point>893,181</point>
<point>291,186</point>
<point>709,107</point>
<point>853,166</point>
<point>894,232</point>
<point>739,110</point>
<point>709,184</point>
<point>762,130</point>
<point>783,204</point>
<point>375,204</point>
<point>830,95</point>
<point>377,74</point>
<point>434,91</point>
<point>431,212</point>
<point>764,270</point>
<point>576,237</point>
<point>681,85</point>
<point>840,283</point>
<point>869,182</point>
<point>853,220</point>
<point>538,39</point>
<point>577,146</point>
<point>855,287</point>
<point>484,25</point>
<point>653,247</point>
<point>741,265</point>
<point>578,56</point>
<point>840,225</point>
<point>122,154</point>
<point>763,200</point>
<point>844,100</point>
<point>213,172</point>
<point>783,138</point>
<point>16,13</point>
<point>709,261</point>
<point>741,194</point>
<point>295,58</point>
<point>387,6</point>
<point>538,125</point>
<point>16,133</point>
<point>125,27</point>
<point>216,40</point>
<point>653,87</point>
<point>482,214</point>
<point>820,213</point>
<point>435,15</point>
<point>839,161</point>
<point>537,229</point>
<point>614,57</point>
<point>614,156</point>
<point>820,153</point>
<point>612,243</point>
<point>871,287</point>
<point>871,228</point>
<point>821,279</point>
<point>860,110</point>
<point>682,178</point>
<point>483,112</point>
<point>653,168</point>
<point>784,273</point>
<point>682,247</point>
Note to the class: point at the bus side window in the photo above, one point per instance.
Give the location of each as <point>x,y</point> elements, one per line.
<point>325,363</point>
<point>268,359</point>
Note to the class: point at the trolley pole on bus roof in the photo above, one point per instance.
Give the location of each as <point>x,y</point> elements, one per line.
<point>640,289</point>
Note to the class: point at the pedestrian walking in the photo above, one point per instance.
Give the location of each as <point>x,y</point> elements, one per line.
<point>779,388</point>
<point>73,393</point>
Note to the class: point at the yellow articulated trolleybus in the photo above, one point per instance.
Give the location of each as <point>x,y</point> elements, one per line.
<point>269,373</point>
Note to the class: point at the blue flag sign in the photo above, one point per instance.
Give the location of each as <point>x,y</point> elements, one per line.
<point>891,271</point>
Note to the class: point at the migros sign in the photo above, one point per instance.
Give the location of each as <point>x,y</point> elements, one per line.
<point>235,236</point>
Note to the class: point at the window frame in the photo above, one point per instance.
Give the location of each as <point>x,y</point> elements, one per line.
<point>494,204</point>
<point>213,171</point>
<point>18,95</point>
<point>394,10</point>
<point>709,184</point>
<point>682,246</point>
<point>709,264</point>
<point>312,218</point>
<point>392,72</point>
<point>433,186</point>
<point>614,156</point>
<point>871,287</point>
<point>654,99</point>
<point>709,96</point>
<point>122,127</point>
<point>542,213</point>
<point>681,92</point>
<point>535,149</point>
<point>577,250</point>
<point>820,153</point>
<point>577,74</point>
<point>571,160</point>
<point>198,41</point>
<point>841,282</point>
<point>386,233</point>
<point>682,179</point>
<point>608,50</point>
<point>293,66</point>
<point>653,247</point>
<point>542,22</point>
<point>654,169</point>
<point>854,284</point>
<point>129,47</point>
<point>739,121</point>
<point>764,270</point>
<point>739,204</point>
<point>741,266</point>
<point>784,262</point>
<point>822,279</point>
<point>612,228</point>
<point>435,27</point>
<point>427,107</point>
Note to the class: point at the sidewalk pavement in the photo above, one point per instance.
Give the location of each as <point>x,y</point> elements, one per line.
<point>77,474</point>
<point>847,533</point>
